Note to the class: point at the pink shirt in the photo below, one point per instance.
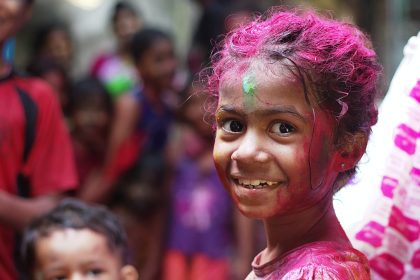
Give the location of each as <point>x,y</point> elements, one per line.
<point>319,260</point>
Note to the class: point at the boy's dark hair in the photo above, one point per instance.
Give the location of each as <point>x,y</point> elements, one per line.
<point>123,6</point>
<point>74,214</point>
<point>85,91</point>
<point>144,39</point>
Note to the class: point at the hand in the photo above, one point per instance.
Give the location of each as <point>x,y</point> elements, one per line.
<point>94,189</point>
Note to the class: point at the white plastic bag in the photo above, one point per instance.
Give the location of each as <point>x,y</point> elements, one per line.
<point>381,210</point>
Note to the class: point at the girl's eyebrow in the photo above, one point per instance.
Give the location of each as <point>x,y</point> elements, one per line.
<point>281,109</point>
<point>228,109</point>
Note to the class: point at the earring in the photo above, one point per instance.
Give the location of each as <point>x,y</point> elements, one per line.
<point>343,165</point>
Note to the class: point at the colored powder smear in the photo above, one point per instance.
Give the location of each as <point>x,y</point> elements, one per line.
<point>248,87</point>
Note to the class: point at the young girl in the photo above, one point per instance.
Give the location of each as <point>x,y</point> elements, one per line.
<point>295,104</point>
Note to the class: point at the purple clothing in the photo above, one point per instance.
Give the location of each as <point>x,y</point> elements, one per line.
<point>201,213</point>
<point>317,260</point>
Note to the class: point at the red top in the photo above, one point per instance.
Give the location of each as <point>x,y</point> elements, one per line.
<point>50,165</point>
<point>326,260</point>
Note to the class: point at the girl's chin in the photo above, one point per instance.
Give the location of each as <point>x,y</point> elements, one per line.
<point>254,211</point>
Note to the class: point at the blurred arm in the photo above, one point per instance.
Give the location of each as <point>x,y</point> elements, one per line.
<point>17,212</point>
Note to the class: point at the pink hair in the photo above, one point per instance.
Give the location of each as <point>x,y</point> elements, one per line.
<point>335,61</point>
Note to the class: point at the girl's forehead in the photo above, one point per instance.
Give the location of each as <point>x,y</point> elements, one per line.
<point>258,76</point>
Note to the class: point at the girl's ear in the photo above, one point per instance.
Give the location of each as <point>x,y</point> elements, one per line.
<point>350,152</point>
<point>129,272</point>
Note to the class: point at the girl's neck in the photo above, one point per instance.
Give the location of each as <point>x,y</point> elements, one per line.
<point>318,223</point>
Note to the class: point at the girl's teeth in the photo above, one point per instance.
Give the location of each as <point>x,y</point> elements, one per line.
<point>255,184</point>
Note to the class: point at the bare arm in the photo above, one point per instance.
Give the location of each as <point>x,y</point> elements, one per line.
<point>155,252</point>
<point>17,212</point>
<point>125,120</point>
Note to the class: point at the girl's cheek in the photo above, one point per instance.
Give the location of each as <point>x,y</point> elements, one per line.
<point>219,150</point>
<point>220,162</point>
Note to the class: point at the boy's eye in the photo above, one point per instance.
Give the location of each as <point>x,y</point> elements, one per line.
<point>282,128</point>
<point>233,126</point>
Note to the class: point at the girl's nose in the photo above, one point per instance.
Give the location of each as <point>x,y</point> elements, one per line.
<point>251,149</point>
<point>77,276</point>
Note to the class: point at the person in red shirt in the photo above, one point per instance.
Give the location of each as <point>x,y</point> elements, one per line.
<point>48,165</point>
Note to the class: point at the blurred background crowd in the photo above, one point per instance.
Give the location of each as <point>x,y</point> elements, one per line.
<point>123,72</point>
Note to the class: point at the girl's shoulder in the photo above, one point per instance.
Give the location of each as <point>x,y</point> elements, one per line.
<point>317,260</point>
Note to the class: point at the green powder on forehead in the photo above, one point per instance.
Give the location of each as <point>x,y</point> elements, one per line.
<point>248,84</point>
<point>248,88</point>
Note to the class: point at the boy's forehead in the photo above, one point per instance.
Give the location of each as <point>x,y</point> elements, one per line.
<point>58,239</point>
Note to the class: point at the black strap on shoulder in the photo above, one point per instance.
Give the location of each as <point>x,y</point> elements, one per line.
<point>31,113</point>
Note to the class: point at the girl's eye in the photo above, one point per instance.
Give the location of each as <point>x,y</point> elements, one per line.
<point>94,272</point>
<point>59,278</point>
<point>233,126</point>
<point>282,128</point>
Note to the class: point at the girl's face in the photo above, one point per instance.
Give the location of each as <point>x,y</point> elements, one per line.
<point>272,150</point>
<point>158,64</point>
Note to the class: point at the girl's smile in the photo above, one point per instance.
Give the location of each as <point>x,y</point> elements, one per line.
<point>274,153</point>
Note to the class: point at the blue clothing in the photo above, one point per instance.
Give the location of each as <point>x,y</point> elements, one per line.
<point>155,125</point>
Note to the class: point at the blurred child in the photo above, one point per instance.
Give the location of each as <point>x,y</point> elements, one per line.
<point>53,73</point>
<point>295,95</point>
<point>116,69</point>
<point>90,111</point>
<point>53,41</point>
<point>140,204</point>
<point>140,129</point>
<point>201,235</point>
<point>76,241</point>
